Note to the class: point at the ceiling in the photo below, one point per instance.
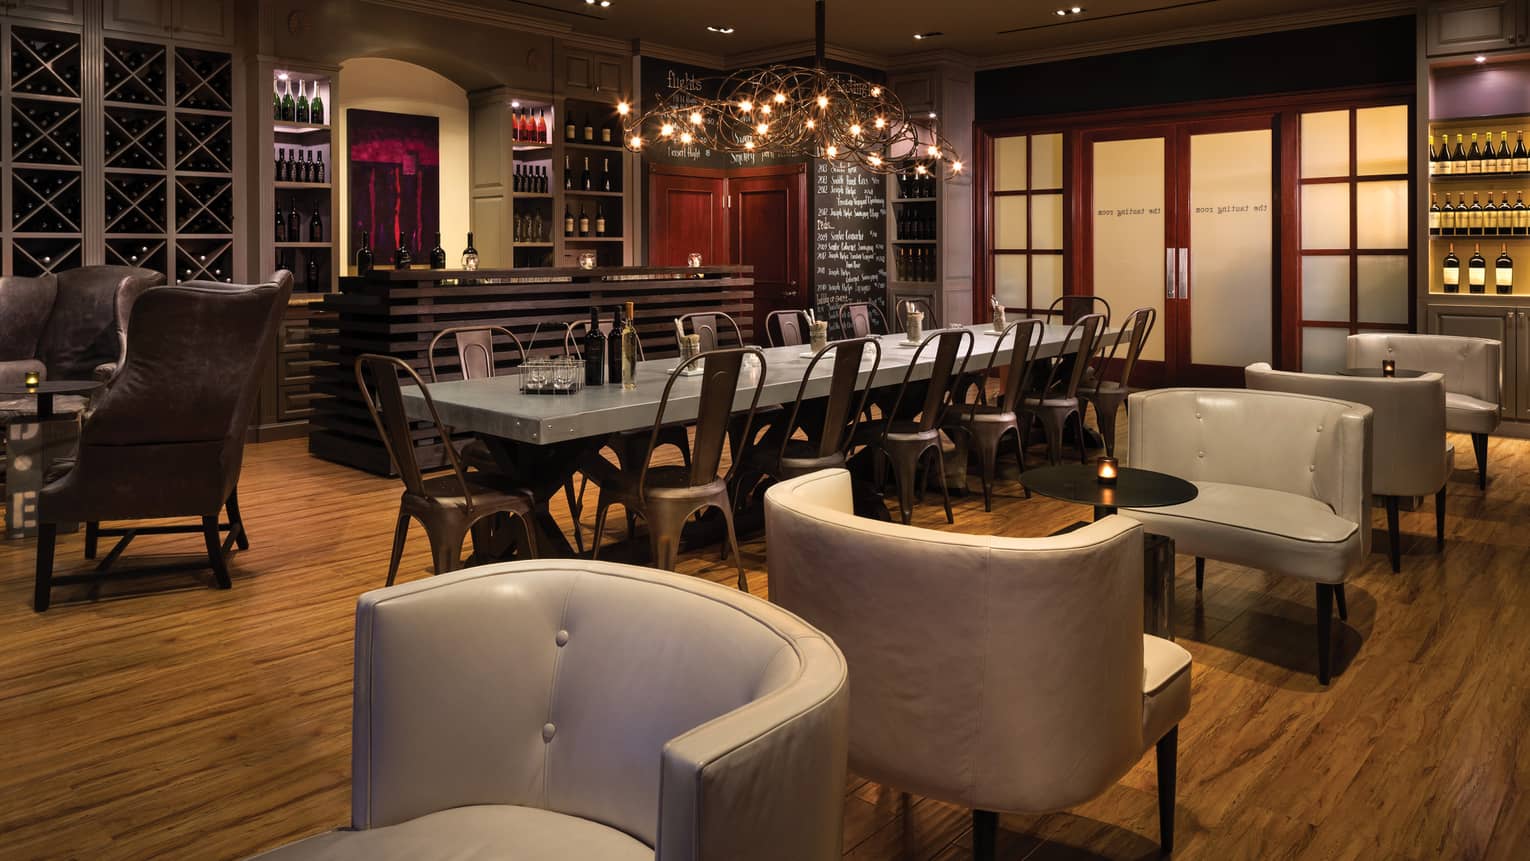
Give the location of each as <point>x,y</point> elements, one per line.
<point>885,28</point>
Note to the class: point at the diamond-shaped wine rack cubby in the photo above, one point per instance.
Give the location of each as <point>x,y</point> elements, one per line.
<point>45,201</point>
<point>43,165</point>
<point>204,206</point>
<point>204,80</point>
<point>45,63</point>
<point>135,140</point>
<point>135,204</point>
<point>147,253</point>
<point>204,259</point>
<point>134,73</point>
<point>204,144</point>
<point>39,256</point>
<point>45,132</point>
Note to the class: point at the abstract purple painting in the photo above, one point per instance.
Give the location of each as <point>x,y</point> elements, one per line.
<point>395,178</point>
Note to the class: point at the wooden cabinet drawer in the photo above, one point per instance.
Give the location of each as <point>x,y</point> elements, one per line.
<point>295,402</point>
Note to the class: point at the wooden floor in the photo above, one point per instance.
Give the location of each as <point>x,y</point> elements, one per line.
<point>195,724</point>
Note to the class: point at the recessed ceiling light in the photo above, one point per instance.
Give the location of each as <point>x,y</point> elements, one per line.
<point>720,28</point>
<point>1479,58</point>
<point>1070,10</point>
<point>281,76</point>
<point>601,3</point>
<point>930,35</point>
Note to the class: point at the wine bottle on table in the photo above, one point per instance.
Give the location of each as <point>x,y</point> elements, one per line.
<point>614,349</point>
<point>1476,271</point>
<point>315,227</point>
<point>629,351</point>
<point>594,352</point>
<point>289,108</point>
<point>1452,270</point>
<point>364,256</point>
<point>316,108</point>
<point>281,224</point>
<point>302,104</point>
<point>1503,272</point>
<point>438,254</point>
<point>470,255</point>
<point>401,256</point>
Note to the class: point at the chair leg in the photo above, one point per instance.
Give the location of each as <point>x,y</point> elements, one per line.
<point>738,552</point>
<point>92,536</point>
<point>985,835</point>
<point>1394,533</point>
<point>1107,420</point>
<point>602,508</point>
<point>573,512</point>
<point>1021,432</point>
<point>1200,573</point>
<point>1168,767</point>
<point>1083,450</point>
<point>905,471</point>
<point>215,551</point>
<point>1053,430</point>
<point>945,492</point>
<point>445,552</point>
<point>42,592</point>
<point>1479,447</point>
<point>236,521</point>
<point>664,538</point>
<point>988,454</point>
<point>1439,520</point>
<point>1324,628</point>
<point>400,535</point>
<point>1338,602</point>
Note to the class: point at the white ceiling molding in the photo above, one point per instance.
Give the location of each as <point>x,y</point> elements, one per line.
<point>1210,32</point>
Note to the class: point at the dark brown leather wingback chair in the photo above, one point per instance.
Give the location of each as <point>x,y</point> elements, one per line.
<point>166,438</point>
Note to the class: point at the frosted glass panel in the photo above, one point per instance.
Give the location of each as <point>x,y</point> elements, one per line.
<point>1009,164</point>
<point>1009,279</point>
<point>1009,223</point>
<point>1047,279</point>
<point>1325,288</point>
<point>1382,283</point>
<point>1325,216</point>
<point>1232,291</point>
<point>1127,212</point>
<point>1047,221</point>
<point>1381,214</point>
<point>1046,161</point>
<point>1323,349</point>
<point>1325,144</point>
<point>1381,140</point>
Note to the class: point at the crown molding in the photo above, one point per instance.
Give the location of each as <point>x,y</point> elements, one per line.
<point>1210,32</point>
<point>805,48</point>
<point>944,58</point>
<point>478,14</point>
<point>681,55</point>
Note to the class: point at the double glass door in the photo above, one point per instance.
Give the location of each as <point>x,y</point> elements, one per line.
<point>1181,219</point>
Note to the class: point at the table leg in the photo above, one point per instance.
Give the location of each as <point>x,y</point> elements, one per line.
<point>1103,511</point>
<point>32,444</point>
<point>1158,574</point>
<point>542,469</point>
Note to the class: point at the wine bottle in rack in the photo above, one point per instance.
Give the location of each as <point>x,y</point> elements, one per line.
<point>311,282</point>
<point>568,172</point>
<point>1452,270</point>
<point>605,174</point>
<point>438,254</point>
<point>315,227</point>
<point>1474,216</point>
<point>281,224</point>
<point>585,182</point>
<point>316,107</point>
<point>1476,271</point>
<point>276,102</point>
<point>1434,158</point>
<point>584,221</point>
<point>570,131</point>
<point>281,165</point>
<point>1448,218</point>
<point>401,256</point>
<point>606,137</point>
<point>1474,157</point>
<point>1519,216</point>
<point>1505,160</point>
<point>518,180</point>
<point>1519,160</point>
<point>289,108</point>
<point>1458,158</point>
<point>600,219</point>
<point>1434,214</point>
<point>302,104</point>
<point>541,129</point>
<point>1503,272</point>
<point>589,130</point>
<point>294,223</point>
<point>1489,217</point>
<point>568,220</point>
<point>318,166</point>
<point>364,256</point>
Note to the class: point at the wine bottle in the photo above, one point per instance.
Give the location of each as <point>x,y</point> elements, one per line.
<point>541,129</point>
<point>276,102</point>
<point>568,173</point>
<point>1458,158</point>
<point>594,352</point>
<point>316,108</point>
<point>1489,217</point>
<point>584,222</point>
<point>589,130</point>
<point>302,104</point>
<point>311,284</point>
<point>1476,271</point>
<point>605,174</point>
<point>1434,215</point>
<point>1448,217</point>
<point>318,166</point>
<point>305,168</point>
<point>1474,216</point>
<point>606,136</point>
<point>517,126</point>
<point>629,351</point>
<point>600,219</point>
<point>1452,270</point>
<point>1504,159</point>
<point>568,221</point>
<point>294,224</point>
<point>289,108</point>
<point>570,131</point>
<point>401,256</point>
<point>584,181</point>
<point>518,180</point>
<point>315,227</point>
<point>614,349</point>
<point>1503,272</point>
<point>1520,159</point>
<point>546,185</point>
<point>1474,157</point>
<point>1434,158</point>
<point>281,224</point>
<point>438,254</point>
<point>364,257</point>
<point>470,255</point>
<point>281,165</point>
<point>1519,216</point>
<point>538,228</point>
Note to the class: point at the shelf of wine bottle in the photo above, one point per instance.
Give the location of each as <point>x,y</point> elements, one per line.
<point>574,192</point>
<point>599,147</point>
<point>298,128</point>
<point>1466,177</point>
<point>914,200</point>
<point>532,244</point>
<point>301,186</point>
<point>302,245</point>
<point>592,239</point>
<point>1487,235</point>
<point>532,195</point>
<point>915,241</point>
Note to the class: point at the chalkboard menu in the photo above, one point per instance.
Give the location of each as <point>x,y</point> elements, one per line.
<point>678,81</point>
<point>850,252</point>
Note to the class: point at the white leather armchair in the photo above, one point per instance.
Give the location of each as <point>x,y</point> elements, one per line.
<point>586,710</point>
<point>1472,368</point>
<point>1284,482</point>
<point>1003,674</point>
<point>1410,457</point>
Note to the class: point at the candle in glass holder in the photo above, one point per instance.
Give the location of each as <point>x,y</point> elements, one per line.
<point>1106,469</point>
<point>1389,367</point>
<point>32,378</point>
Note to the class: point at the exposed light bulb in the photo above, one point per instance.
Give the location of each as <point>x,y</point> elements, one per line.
<point>832,150</point>
<point>685,137</point>
<point>956,166</point>
<point>881,122</point>
<point>780,98</point>
<point>749,145</point>
<point>876,91</point>
<point>762,128</point>
<point>637,142</point>
<point>745,105</point>
<point>623,108</point>
<point>823,101</point>
<point>919,169</point>
<point>695,118</point>
<point>515,103</point>
<point>933,150</point>
<point>876,160</point>
<point>666,130</point>
<point>855,129</point>
<point>812,124</point>
<point>765,109</point>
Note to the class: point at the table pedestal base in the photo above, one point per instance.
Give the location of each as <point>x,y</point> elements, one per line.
<point>32,444</point>
<point>1158,586</point>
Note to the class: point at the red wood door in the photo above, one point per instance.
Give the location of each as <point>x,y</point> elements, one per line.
<point>687,213</point>
<point>770,234</point>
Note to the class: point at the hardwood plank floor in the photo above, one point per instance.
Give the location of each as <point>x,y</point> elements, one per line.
<point>161,719</point>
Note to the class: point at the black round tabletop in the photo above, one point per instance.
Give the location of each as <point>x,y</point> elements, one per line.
<point>51,387</point>
<point>1400,373</point>
<point>1134,488</point>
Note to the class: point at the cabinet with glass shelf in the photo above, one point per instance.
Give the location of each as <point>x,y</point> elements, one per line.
<point>298,205</point>
<point>1479,170</point>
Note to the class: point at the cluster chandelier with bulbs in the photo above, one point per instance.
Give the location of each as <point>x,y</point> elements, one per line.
<point>801,111</point>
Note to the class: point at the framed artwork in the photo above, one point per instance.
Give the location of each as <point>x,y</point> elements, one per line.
<point>394,163</point>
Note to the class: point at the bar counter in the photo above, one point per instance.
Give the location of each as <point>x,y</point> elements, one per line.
<point>398,312</point>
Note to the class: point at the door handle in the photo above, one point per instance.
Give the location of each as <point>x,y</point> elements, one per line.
<point>1168,273</point>
<point>1184,273</point>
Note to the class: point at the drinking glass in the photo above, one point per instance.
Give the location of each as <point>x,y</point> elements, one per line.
<point>563,374</point>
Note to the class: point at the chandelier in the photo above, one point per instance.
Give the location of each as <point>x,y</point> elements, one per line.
<point>797,111</point>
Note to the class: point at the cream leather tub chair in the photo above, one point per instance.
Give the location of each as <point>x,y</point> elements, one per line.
<point>1009,675</point>
<point>1472,368</point>
<point>1410,457</point>
<point>1284,481</point>
<point>541,710</point>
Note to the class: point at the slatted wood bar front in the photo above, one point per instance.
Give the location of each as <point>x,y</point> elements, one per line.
<point>398,312</point>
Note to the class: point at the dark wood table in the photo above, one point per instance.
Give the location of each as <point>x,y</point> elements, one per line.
<point>32,444</point>
<point>45,390</point>
<point>1134,488</point>
<point>1400,373</point>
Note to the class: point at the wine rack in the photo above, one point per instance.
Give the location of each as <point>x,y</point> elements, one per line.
<point>1495,186</point>
<point>302,147</point>
<point>913,230</point>
<point>45,63</point>
<point>595,151</point>
<point>44,163</point>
